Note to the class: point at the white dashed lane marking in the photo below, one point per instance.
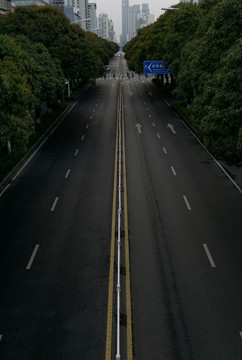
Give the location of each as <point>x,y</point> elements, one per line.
<point>54,204</point>
<point>209,255</point>
<point>187,202</point>
<point>173,170</point>
<point>67,173</point>
<point>32,257</point>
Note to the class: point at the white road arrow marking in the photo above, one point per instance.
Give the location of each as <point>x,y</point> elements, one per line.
<point>139,127</point>
<point>171,127</point>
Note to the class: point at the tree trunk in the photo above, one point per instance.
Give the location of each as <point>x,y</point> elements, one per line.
<point>9,147</point>
<point>37,115</point>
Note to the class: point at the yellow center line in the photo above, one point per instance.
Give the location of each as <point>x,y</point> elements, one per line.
<point>111,269</point>
<point>127,265</point>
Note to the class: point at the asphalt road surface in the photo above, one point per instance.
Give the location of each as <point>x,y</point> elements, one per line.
<point>181,237</point>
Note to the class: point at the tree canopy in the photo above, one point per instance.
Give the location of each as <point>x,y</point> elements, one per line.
<point>202,45</point>
<point>39,49</point>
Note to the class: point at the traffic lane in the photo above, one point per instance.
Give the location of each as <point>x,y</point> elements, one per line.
<point>66,250</point>
<point>180,230</point>
<point>154,317</point>
<point>197,170</point>
<point>35,187</point>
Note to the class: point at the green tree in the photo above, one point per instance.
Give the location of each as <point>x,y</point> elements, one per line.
<point>16,124</point>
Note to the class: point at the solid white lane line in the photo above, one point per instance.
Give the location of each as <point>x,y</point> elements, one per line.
<point>158,135</point>
<point>164,149</point>
<point>32,257</point>
<point>29,159</point>
<point>90,118</point>
<point>87,126</point>
<point>82,137</point>
<point>54,204</point>
<point>209,255</point>
<point>77,150</point>
<point>153,124</point>
<point>67,173</point>
<point>4,190</point>
<point>173,170</point>
<point>187,203</point>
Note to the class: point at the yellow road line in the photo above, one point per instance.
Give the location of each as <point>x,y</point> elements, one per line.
<point>127,265</point>
<point>111,269</point>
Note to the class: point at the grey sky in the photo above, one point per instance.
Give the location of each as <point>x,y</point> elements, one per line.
<point>113,9</point>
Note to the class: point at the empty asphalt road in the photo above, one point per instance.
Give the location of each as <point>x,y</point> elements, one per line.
<point>180,232</point>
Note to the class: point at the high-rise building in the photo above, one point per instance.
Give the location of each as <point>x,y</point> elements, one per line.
<point>111,32</point>
<point>5,6</point>
<point>145,9</point>
<point>138,18</point>
<point>125,12</point>
<point>133,21</point>
<point>92,16</point>
<point>150,19</point>
<point>30,2</point>
<point>103,26</point>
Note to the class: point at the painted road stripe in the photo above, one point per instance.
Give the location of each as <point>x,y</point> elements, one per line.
<point>90,118</point>
<point>149,116</point>
<point>164,149</point>
<point>153,124</point>
<point>82,137</point>
<point>209,255</point>
<point>32,257</point>
<point>77,150</point>
<point>240,334</point>
<point>87,126</point>
<point>173,170</point>
<point>187,202</point>
<point>6,187</point>
<point>127,262</point>
<point>94,110</point>
<point>67,173</point>
<point>54,204</point>
<point>147,109</point>
<point>108,352</point>
<point>1,336</point>
<point>158,135</point>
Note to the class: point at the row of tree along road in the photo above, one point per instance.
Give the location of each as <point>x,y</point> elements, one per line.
<point>202,45</point>
<point>40,50</point>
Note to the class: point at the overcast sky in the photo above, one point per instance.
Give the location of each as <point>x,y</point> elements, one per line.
<point>114,9</point>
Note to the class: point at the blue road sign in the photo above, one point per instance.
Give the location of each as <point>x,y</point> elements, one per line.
<point>155,67</point>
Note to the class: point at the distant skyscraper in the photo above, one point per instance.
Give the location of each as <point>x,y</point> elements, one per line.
<point>133,21</point>
<point>91,15</point>
<point>125,12</point>
<point>5,6</point>
<point>103,26</point>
